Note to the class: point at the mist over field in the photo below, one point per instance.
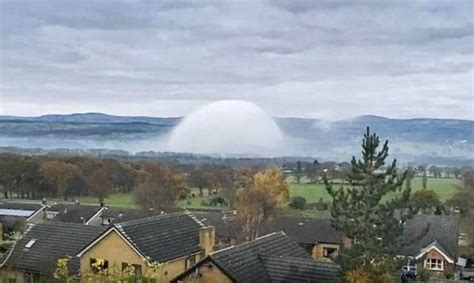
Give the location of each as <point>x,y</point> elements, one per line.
<point>239,128</point>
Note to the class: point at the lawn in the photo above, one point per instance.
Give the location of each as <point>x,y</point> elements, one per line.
<point>445,188</point>
<point>116,200</point>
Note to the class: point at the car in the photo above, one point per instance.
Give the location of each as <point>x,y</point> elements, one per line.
<point>409,272</point>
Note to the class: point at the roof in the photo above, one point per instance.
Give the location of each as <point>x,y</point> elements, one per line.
<point>54,240</point>
<point>19,209</point>
<point>160,238</point>
<point>307,230</point>
<point>118,214</point>
<point>243,262</point>
<point>74,213</point>
<point>424,230</point>
<point>223,222</point>
<point>20,206</point>
<point>270,258</point>
<point>300,229</point>
<point>292,269</point>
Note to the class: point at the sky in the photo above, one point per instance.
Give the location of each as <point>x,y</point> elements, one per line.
<point>320,59</point>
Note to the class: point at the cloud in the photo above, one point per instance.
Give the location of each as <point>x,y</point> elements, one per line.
<point>324,59</point>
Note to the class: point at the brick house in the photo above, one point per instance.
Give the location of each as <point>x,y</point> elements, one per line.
<point>431,241</point>
<point>175,241</point>
<point>270,258</point>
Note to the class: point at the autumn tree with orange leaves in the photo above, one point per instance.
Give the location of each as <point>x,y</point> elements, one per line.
<point>256,203</point>
<point>60,174</point>
<point>160,187</point>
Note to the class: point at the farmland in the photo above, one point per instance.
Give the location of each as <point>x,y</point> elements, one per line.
<point>444,187</point>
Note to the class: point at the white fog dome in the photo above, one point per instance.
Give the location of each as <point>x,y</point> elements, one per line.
<point>228,126</point>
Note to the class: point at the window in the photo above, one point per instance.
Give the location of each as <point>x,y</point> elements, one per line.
<point>329,252</point>
<point>138,270</point>
<point>434,264</point>
<point>136,267</point>
<point>124,266</point>
<point>30,243</point>
<point>98,264</point>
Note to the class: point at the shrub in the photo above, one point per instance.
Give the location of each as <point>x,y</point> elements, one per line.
<point>218,201</point>
<point>321,205</point>
<point>14,224</point>
<point>189,202</point>
<point>204,202</point>
<point>298,203</point>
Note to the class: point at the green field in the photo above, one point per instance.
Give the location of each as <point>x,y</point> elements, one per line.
<point>445,188</point>
<point>116,200</point>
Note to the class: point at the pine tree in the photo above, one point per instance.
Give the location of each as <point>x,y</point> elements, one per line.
<point>365,212</point>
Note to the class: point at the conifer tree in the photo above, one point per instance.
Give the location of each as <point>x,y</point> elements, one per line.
<point>372,210</point>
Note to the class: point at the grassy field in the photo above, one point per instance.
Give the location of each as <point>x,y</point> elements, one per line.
<point>445,188</point>
<point>116,200</point>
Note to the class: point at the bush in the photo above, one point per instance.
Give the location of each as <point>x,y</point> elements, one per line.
<point>204,202</point>
<point>298,203</point>
<point>321,205</point>
<point>14,224</point>
<point>218,201</point>
<point>189,202</point>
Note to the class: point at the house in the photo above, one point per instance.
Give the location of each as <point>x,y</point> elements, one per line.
<point>176,241</point>
<point>270,258</point>
<point>31,212</point>
<point>111,215</point>
<point>224,224</point>
<point>74,213</point>
<point>35,255</point>
<point>431,241</point>
<point>317,236</point>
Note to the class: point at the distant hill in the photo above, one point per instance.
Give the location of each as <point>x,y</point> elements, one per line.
<point>410,139</point>
<point>99,118</point>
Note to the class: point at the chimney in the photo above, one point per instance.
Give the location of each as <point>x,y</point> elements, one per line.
<point>207,239</point>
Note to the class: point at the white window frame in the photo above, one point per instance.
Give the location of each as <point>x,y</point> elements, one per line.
<point>430,262</point>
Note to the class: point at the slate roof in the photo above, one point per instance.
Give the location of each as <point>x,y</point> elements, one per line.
<point>306,230</point>
<point>243,262</point>
<point>53,240</point>
<point>72,213</point>
<point>223,222</point>
<point>18,209</point>
<point>20,206</point>
<point>270,258</point>
<point>423,230</point>
<point>291,269</point>
<point>118,214</point>
<point>163,237</point>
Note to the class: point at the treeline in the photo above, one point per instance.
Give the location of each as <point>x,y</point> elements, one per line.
<point>314,171</point>
<point>37,177</point>
<point>155,184</point>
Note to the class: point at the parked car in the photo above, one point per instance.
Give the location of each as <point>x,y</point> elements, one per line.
<point>409,272</point>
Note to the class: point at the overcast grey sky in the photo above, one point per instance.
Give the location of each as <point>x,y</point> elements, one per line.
<point>322,59</point>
